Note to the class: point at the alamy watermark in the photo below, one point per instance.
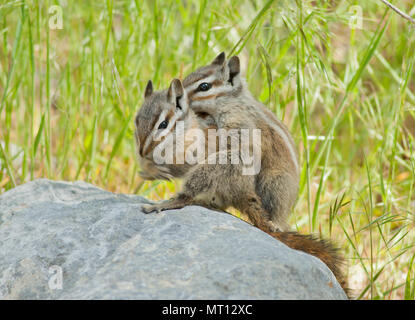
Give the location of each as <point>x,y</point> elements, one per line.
<point>55,17</point>
<point>56,278</point>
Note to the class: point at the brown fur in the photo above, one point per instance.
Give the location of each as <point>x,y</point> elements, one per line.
<point>320,248</point>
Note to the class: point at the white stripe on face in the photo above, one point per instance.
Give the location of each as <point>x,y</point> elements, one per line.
<point>156,133</point>
<point>150,137</point>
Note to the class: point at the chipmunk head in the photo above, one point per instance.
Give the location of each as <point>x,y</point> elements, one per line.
<point>218,80</point>
<point>158,115</point>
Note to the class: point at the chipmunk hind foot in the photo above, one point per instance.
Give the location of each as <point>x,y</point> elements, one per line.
<point>277,192</point>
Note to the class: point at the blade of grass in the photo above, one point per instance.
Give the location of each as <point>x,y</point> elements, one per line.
<point>370,218</point>
<point>247,34</point>
<point>32,104</point>
<point>48,125</point>
<point>14,54</point>
<point>117,144</point>
<point>7,165</point>
<point>409,293</point>
<point>39,135</point>
<point>196,34</point>
<point>302,108</point>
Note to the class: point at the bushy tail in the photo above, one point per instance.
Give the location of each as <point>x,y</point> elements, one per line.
<point>320,248</point>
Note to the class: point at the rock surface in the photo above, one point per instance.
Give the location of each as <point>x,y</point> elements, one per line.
<point>61,240</point>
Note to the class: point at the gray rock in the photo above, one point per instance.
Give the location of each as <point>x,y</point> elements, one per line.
<point>103,247</point>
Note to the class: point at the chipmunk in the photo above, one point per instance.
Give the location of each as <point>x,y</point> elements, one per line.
<point>218,91</point>
<point>161,111</point>
<point>215,186</point>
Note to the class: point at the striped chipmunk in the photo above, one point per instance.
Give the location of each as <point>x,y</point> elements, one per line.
<point>208,183</point>
<point>218,91</point>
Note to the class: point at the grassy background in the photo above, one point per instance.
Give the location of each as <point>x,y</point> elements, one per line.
<point>67,98</point>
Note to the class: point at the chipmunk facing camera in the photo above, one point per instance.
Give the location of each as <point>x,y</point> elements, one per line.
<point>219,92</point>
<point>212,185</point>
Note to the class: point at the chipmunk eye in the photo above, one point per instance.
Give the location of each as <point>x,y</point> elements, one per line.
<point>204,86</point>
<point>164,124</point>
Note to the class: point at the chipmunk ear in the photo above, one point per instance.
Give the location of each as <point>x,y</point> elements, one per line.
<point>234,66</point>
<point>177,95</point>
<point>220,59</point>
<point>149,89</point>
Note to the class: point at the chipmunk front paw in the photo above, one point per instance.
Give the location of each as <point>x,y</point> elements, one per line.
<point>147,208</point>
<point>158,207</point>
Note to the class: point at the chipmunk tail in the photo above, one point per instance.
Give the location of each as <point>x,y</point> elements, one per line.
<point>320,248</point>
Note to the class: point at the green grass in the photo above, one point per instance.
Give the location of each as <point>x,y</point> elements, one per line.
<point>68,97</point>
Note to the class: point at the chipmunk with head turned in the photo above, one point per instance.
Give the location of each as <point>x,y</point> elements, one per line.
<point>215,186</point>
<point>218,91</point>
<point>160,112</point>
